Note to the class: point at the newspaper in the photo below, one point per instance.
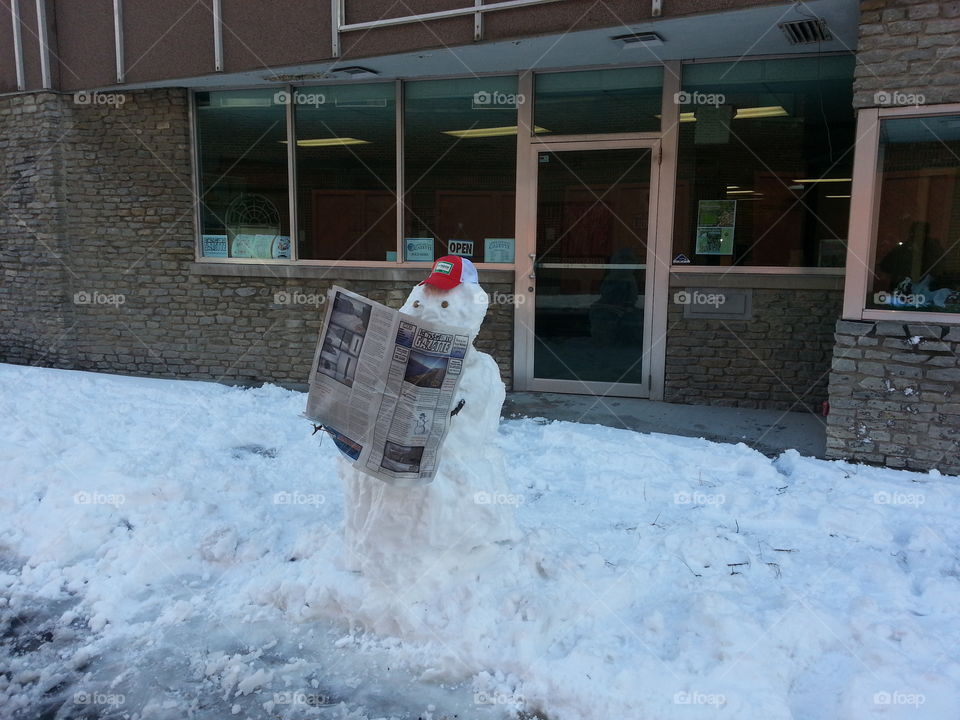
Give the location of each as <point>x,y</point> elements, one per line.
<point>382,385</point>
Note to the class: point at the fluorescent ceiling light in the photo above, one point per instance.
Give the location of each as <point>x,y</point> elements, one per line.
<point>489,132</point>
<point>329,142</point>
<point>741,192</point>
<point>684,117</point>
<point>816,180</point>
<point>733,187</point>
<point>760,112</point>
<point>838,196</point>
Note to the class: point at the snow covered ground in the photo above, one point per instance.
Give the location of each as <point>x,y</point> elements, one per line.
<point>172,549</point>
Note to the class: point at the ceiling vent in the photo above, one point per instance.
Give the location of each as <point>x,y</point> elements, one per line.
<point>639,39</point>
<point>806,32</point>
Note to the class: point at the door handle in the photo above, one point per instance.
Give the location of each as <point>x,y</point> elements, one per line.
<point>533,266</point>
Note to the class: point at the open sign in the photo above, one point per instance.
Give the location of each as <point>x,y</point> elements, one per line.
<point>460,247</point>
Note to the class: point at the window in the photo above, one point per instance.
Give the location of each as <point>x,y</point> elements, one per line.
<point>917,258</point>
<point>243,175</point>
<point>598,101</point>
<point>460,159</point>
<point>765,162</point>
<point>346,171</point>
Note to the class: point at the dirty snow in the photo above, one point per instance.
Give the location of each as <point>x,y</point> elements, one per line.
<point>172,549</point>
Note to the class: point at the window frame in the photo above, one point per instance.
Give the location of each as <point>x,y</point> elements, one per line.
<point>400,187</point>
<point>865,215</point>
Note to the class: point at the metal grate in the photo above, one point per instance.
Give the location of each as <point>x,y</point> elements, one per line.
<point>806,32</point>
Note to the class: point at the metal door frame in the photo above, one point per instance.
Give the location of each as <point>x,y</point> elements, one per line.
<point>663,147</point>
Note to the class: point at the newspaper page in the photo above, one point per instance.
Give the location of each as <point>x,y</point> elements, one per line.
<point>382,385</point>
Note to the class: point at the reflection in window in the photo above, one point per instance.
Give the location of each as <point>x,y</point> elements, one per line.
<point>243,175</point>
<point>460,158</point>
<point>765,162</point>
<point>598,101</point>
<point>346,171</point>
<point>917,260</point>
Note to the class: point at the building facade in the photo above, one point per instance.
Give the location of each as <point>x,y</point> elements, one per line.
<point>706,201</point>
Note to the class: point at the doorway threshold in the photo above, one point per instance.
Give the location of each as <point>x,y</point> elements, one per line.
<point>767,431</point>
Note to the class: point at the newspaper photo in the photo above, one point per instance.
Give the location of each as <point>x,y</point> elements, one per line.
<point>382,385</point>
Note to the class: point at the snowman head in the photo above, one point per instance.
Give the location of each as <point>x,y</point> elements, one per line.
<point>451,295</point>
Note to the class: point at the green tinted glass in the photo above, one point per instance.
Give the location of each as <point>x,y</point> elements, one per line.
<point>766,147</point>
<point>243,174</point>
<point>598,101</point>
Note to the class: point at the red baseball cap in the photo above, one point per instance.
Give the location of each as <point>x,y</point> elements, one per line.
<point>451,270</point>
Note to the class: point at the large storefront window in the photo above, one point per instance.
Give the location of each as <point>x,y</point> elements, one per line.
<point>765,162</point>
<point>917,260</point>
<point>346,171</point>
<point>598,101</point>
<point>460,159</point>
<point>243,175</point>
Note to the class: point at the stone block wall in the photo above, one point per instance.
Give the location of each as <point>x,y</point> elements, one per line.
<point>779,359</point>
<point>97,256</point>
<point>908,49</point>
<point>895,395</point>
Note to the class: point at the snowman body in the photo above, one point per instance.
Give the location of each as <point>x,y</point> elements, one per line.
<point>400,533</point>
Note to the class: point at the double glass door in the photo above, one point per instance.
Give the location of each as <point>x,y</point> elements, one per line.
<point>588,320</point>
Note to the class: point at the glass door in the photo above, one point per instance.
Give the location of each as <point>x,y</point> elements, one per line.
<point>591,312</point>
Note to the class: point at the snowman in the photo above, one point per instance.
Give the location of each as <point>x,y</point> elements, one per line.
<point>454,524</point>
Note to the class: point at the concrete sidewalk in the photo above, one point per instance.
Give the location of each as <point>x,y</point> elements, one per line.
<point>768,431</point>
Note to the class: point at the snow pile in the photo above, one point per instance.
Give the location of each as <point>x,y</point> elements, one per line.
<point>173,549</point>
